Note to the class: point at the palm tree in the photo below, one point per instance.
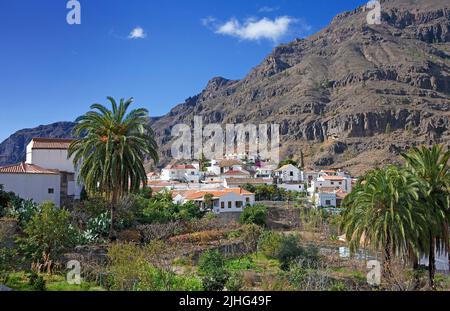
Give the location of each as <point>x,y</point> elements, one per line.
<point>431,168</point>
<point>379,214</point>
<point>112,149</point>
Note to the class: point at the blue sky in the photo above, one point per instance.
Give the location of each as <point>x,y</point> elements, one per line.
<point>159,52</point>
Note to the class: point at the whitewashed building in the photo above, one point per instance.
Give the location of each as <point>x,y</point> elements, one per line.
<point>184,173</point>
<point>32,182</point>
<point>223,201</point>
<point>52,153</point>
<point>288,173</point>
<point>46,175</point>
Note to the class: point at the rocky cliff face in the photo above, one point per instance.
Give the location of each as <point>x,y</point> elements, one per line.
<point>353,95</point>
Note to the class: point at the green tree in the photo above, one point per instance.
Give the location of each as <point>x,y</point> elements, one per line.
<point>430,166</point>
<point>208,201</point>
<point>381,213</point>
<point>256,214</point>
<point>112,149</point>
<point>48,233</point>
<point>213,271</point>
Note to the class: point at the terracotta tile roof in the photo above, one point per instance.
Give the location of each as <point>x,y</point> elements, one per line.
<point>228,163</point>
<point>24,168</point>
<point>327,190</point>
<point>215,193</point>
<point>337,178</point>
<point>236,173</point>
<point>51,143</point>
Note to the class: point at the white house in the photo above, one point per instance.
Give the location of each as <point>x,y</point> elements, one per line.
<point>32,182</point>
<point>236,174</point>
<point>47,174</point>
<point>265,170</point>
<point>288,173</point>
<point>325,198</point>
<point>335,182</point>
<point>52,153</point>
<point>183,173</point>
<point>223,201</point>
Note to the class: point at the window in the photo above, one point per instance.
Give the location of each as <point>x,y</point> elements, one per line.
<point>291,174</point>
<point>247,200</point>
<point>239,204</point>
<point>229,204</point>
<point>332,182</point>
<point>222,205</point>
<point>327,202</point>
<point>51,190</point>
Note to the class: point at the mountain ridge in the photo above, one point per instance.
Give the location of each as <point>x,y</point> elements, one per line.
<point>352,95</point>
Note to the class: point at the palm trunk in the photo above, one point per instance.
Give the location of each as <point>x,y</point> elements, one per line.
<point>432,263</point>
<point>387,273</point>
<point>415,267</point>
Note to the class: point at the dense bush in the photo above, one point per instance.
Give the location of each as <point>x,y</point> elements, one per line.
<point>256,214</point>
<point>212,269</point>
<point>270,243</point>
<point>48,233</point>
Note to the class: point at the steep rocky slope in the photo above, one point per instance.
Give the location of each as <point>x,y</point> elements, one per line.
<point>353,95</point>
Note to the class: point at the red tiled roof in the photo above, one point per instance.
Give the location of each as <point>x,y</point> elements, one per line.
<point>51,143</point>
<point>338,178</point>
<point>215,193</point>
<point>229,163</point>
<point>24,168</point>
<point>234,173</point>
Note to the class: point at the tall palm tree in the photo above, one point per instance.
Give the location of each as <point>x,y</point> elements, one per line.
<point>111,150</point>
<point>431,168</point>
<point>379,214</point>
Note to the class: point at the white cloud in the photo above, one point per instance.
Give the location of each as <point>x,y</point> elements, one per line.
<point>137,33</point>
<point>253,29</point>
<point>208,21</point>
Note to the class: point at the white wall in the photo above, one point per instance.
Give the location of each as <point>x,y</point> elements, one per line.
<point>292,187</point>
<point>233,198</point>
<point>322,198</point>
<point>50,159</point>
<point>33,186</point>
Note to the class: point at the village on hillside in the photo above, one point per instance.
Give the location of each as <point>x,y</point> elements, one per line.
<point>236,181</point>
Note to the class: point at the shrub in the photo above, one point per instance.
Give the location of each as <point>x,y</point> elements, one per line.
<point>288,251</point>
<point>132,267</point>
<point>151,232</point>
<point>270,243</point>
<point>256,214</point>
<point>235,282</point>
<point>48,233</point>
<point>36,282</point>
<point>212,269</point>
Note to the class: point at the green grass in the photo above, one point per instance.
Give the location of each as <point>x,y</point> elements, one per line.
<point>255,262</point>
<point>19,281</point>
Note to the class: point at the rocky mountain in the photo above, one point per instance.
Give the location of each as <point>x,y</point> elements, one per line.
<point>353,95</point>
<point>13,149</point>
